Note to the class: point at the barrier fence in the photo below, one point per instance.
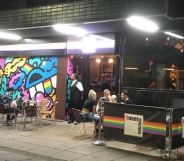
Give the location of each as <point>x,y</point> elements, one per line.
<point>149,126</point>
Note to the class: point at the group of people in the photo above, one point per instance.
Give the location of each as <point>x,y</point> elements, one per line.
<point>91,108</point>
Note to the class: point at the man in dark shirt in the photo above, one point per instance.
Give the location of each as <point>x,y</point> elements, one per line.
<point>125,97</point>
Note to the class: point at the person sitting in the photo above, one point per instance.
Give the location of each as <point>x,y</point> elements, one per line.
<point>105,98</point>
<point>113,99</point>
<point>125,97</point>
<point>10,108</point>
<point>89,107</point>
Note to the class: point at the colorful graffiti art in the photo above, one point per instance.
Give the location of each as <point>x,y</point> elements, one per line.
<point>69,73</point>
<point>30,78</point>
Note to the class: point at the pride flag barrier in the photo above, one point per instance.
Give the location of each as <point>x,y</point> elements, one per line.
<point>149,126</point>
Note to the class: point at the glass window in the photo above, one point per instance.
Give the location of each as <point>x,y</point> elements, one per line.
<point>153,62</point>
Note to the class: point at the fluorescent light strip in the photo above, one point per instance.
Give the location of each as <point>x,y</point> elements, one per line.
<point>131,68</point>
<point>142,24</point>
<point>70,30</point>
<point>24,47</point>
<point>169,69</point>
<point>174,35</point>
<point>9,36</point>
<point>47,46</point>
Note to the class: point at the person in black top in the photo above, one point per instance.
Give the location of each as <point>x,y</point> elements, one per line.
<point>125,97</point>
<point>88,108</point>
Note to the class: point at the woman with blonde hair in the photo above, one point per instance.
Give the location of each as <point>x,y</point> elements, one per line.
<point>89,106</point>
<point>113,99</point>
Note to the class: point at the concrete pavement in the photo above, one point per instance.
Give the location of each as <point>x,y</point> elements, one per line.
<point>53,142</point>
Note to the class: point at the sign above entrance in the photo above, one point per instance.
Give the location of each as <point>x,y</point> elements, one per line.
<point>91,44</point>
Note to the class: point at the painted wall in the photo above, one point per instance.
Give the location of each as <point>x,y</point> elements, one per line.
<point>69,73</point>
<point>33,77</point>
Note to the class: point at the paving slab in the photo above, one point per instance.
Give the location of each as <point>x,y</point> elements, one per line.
<point>54,143</point>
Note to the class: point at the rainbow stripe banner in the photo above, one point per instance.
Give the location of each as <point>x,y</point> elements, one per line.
<point>177,129</point>
<point>148,126</point>
<point>114,122</point>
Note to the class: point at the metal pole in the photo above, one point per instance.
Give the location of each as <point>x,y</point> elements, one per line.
<point>99,141</point>
<point>168,139</point>
<point>122,50</point>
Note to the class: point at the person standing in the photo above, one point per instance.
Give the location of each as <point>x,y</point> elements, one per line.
<point>76,95</point>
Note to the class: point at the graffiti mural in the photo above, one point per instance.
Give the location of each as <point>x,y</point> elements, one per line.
<point>30,78</point>
<point>69,73</point>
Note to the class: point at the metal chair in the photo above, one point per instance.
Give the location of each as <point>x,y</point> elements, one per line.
<point>78,119</point>
<point>29,109</point>
<point>44,112</point>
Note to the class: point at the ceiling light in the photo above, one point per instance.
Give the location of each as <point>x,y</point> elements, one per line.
<point>89,44</point>
<point>142,24</point>
<point>70,30</point>
<point>110,60</point>
<point>28,40</point>
<point>9,36</point>
<point>174,35</point>
<point>98,60</point>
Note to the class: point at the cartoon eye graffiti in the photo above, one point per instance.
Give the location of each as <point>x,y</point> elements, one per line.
<point>42,79</point>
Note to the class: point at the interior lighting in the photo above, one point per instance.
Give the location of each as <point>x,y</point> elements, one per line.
<point>98,60</point>
<point>142,24</point>
<point>9,36</point>
<point>70,30</point>
<point>174,35</point>
<point>110,60</point>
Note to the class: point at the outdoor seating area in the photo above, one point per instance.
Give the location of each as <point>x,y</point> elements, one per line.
<point>81,121</point>
<point>28,113</point>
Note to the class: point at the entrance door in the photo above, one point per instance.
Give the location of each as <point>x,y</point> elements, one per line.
<point>97,72</point>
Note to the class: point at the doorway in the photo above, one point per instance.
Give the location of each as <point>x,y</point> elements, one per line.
<point>98,72</point>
